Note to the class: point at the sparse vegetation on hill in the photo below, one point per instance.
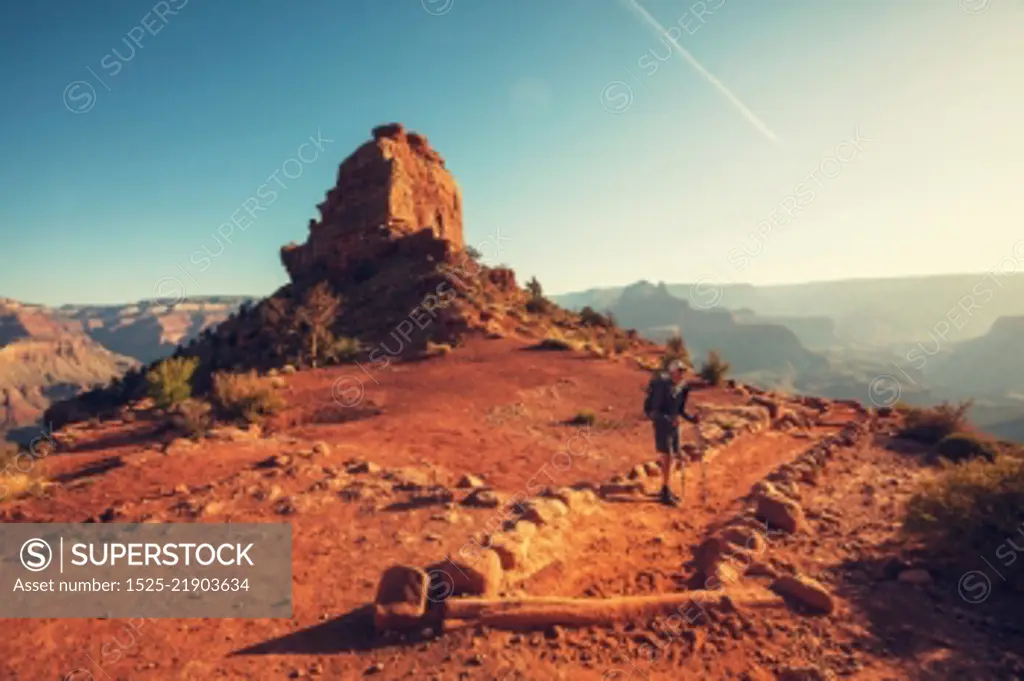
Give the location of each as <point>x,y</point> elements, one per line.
<point>676,349</point>
<point>969,507</point>
<point>929,425</point>
<point>537,303</point>
<point>247,396</point>
<point>345,350</point>
<point>191,417</point>
<point>965,446</point>
<point>169,382</point>
<point>315,318</point>
<point>714,369</point>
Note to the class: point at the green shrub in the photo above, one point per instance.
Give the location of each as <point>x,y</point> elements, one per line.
<point>714,368</point>
<point>965,446</point>
<point>590,317</point>
<point>19,472</point>
<point>245,396</point>
<point>583,418</point>
<point>345,350</point>
<point>931,425</point>
<point>969,506</point>
<point>675,349</point>
<point>191,417</point>
<point>170,381</point>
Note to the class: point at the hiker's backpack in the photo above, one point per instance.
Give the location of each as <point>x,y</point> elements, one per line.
<point>657,382</point>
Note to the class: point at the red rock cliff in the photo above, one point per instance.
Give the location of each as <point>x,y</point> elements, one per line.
<point>390,187</point>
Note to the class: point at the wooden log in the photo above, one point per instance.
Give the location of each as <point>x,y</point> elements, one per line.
<point>538,613</point>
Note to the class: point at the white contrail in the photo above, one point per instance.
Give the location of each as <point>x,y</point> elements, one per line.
<point>708,76</point>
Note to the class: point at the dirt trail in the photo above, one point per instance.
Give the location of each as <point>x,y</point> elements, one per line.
<point>638,546</point>
<point>494,410</point>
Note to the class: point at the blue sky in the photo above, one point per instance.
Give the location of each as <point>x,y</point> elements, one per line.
<point>598,163</point>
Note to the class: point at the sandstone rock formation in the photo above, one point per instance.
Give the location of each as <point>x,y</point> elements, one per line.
<point>395,185</point>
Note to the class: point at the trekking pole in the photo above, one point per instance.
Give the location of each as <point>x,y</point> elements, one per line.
<point>703,465</point>
<point>682,478</point>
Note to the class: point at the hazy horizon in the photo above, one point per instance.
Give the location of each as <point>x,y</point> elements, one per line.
<point>770,145</point>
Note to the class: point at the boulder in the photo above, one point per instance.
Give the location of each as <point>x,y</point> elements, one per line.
<point>543,511</point>
<point>779,511</point>
<point>401,600</point>
<point>472,571</point>
<point>806,591</point>
<point>482,498</point>
<point>469,481</point>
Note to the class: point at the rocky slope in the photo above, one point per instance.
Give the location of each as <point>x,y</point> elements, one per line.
<point>487,512</point>
<point>389,243</point>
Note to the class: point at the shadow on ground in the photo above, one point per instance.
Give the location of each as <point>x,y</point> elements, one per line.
<point>962,625</point>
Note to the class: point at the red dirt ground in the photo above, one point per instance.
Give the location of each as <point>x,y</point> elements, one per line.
<point>496,410</point>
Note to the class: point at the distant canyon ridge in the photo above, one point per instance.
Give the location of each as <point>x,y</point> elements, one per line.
<point>48,354</point>
<point>916,339</point>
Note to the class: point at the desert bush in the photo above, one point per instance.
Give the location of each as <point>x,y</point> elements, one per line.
<point>675,349</point>
<point>585,417</point>
<point>345,350</point>
<point>965,446</point>
<point>18,472</point>
<point>170,381</point>
<point>245,396</point>
<point>191,417</point>
<point>537,304</point>
<point>434,349</point>
<point>931,425</point>
<point>620,345</point>
<point>591,317</point>
<point>969,506</point>
<point>714,368</point>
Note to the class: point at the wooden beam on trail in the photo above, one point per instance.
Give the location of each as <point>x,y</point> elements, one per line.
<point>530,613</point>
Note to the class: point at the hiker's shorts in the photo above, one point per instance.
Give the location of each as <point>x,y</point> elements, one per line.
<point>666,439</point>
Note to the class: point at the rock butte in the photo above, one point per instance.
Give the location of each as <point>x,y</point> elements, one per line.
<point>394,185</point>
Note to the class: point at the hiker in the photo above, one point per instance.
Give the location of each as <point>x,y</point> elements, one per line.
<point>665,405</point>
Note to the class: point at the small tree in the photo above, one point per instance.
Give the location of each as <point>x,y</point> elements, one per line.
<point>537,301</point>
<point>170,382</point>
<point>315,316</point>
<point>278,326</point>
<point>714,369</point>
<point>534,288</point>
<point>473,253</point>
